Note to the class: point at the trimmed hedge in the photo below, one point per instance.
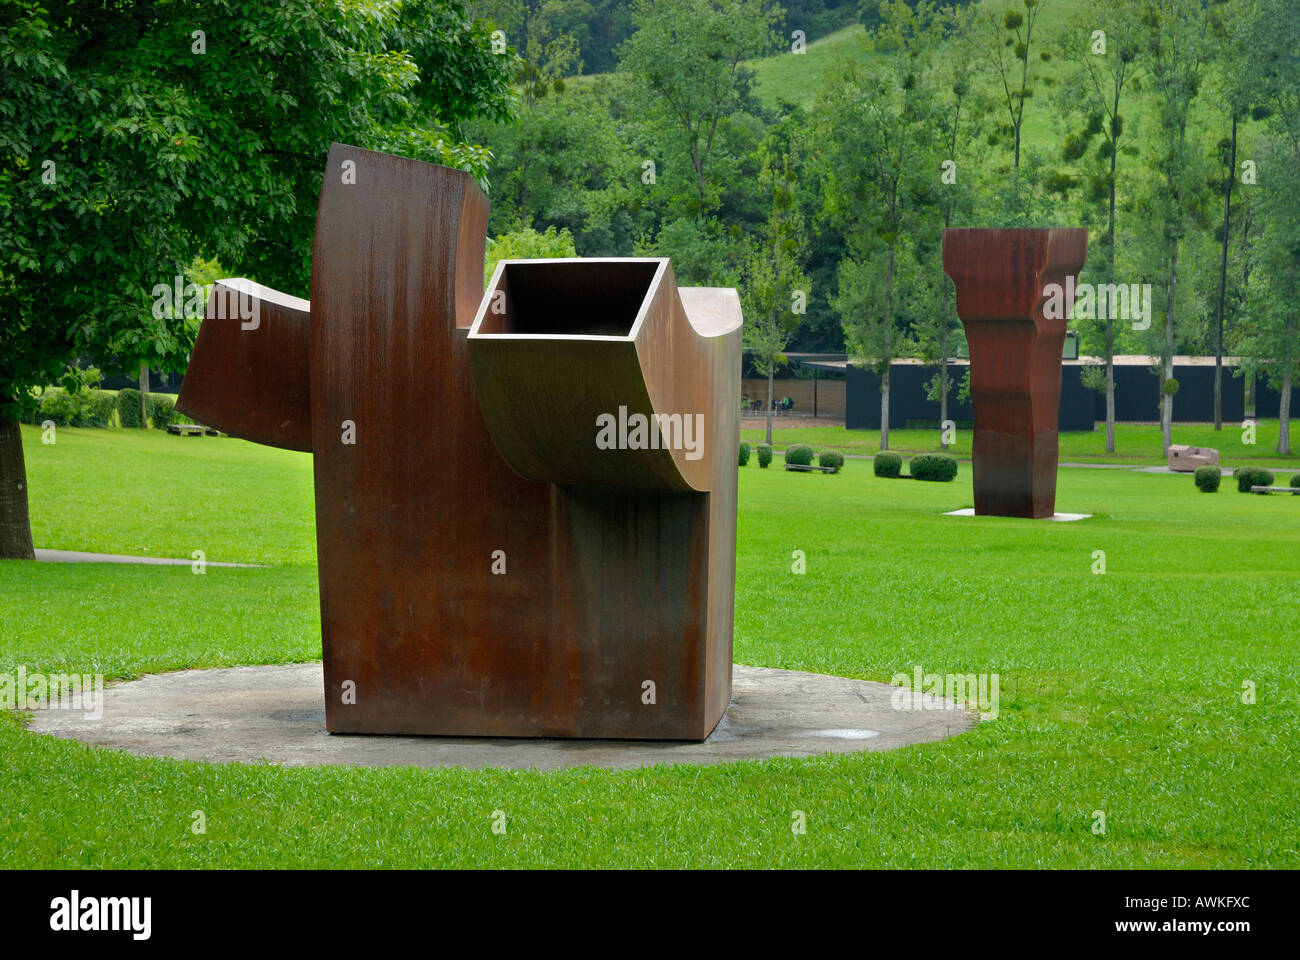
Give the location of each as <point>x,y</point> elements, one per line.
<point>128,407</point>
<point>933,466</point>
<point>800,454</point>
<point>1295,482</point>
<point>831,458</point>
<point>1248,477</point>
<point>1207,479</point>
<point>162,410</point>
<point>744,453</point>
<point>887,464</point>
<point>764,454</point>
<point>85,408</point>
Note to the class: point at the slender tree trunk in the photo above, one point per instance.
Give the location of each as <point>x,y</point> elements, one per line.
<point>15,523</point>
<point>771,373</point>
<point>1284,416</point>
<point>943,401</point>
<point>1223,281</point>
<point>888,348</point>
<point>1167,399</point>
<point>1284,407</point>
<point>1110,387</point>
<point>943,366</point>
<point>1110,321</point>
<point>144,395</point>
<point>884,409</point>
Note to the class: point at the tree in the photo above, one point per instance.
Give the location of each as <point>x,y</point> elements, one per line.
<point>774,289</point>
<point>1273,342</point>
<point>1008,51</point>
<point>1236,95</point>
<point>138,137</point>
<point>688,57</point>
<point>1104,68</point>
<point>1174,53</point>
<point>957,122</point>
<point>876,128</point>
<point>527,244</point>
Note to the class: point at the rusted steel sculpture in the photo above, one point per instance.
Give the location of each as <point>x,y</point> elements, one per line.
<point>502,549</point>
<point>1015,358</point>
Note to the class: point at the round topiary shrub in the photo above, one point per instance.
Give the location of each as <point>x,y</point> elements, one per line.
<point>800,454</point>
<point>764,454</point>
<point>933,466</point>
<point>1207,479</point>
<point>831,458</point>
<point>1295,482</point>
<point>1248,477</point>
<point>744,453</point>
<point>162,410</point>
<point>128,407</point>
<point>887,464</point>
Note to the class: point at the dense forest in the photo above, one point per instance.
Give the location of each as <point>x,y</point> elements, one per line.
<point>811,154</point>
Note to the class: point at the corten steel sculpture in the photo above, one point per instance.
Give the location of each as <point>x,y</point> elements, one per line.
<point>1015,358</point>
<point>486,566</point>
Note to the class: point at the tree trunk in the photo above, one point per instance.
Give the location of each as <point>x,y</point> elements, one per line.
<point>771,373</point>
<point>15,523</point>
<point>1167,399</point>
<point>884,410</point>
<point>1223,281</point>
<point>1284,416</point>
<point>943,402</point>
<point>1110,399</point>
<point>943,370</point>
<point>888,347</point>
<point>144,395</point>
<point>1110,278</point>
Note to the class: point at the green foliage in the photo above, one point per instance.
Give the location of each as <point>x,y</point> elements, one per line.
<point>800,454</point>
<point>162,410</point>
<point>744,453</point>
<point>1248,477</point>
<point>764,454</point>
<point>128,407</point>
<point>84,407</point>
<point>831,458</point>
<point>1207,479</point>
<point>527,244</point>
<point>686,57</point>
<point>130,147</point>
<point>1295,482</point>
<point>887,464</point>
<point>933,466</point>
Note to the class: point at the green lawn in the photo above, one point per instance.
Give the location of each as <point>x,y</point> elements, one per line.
<point>1137,444</point>
<point>1120,692</point>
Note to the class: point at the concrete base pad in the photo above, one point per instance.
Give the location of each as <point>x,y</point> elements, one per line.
<point>276,714</point>
<point>79,556</point>
<point>1058,517</point>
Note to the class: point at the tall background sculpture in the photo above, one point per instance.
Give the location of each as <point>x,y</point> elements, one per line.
<point>485,567</point>
<point>1015,358</point>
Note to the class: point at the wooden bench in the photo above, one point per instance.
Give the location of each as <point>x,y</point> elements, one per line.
<point>1295,490</point>
<point>192,430</point>
<point>808,468</point>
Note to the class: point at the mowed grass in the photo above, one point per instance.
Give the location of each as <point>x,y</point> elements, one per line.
<point>1136,444</point>
<point>1120,692</point>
